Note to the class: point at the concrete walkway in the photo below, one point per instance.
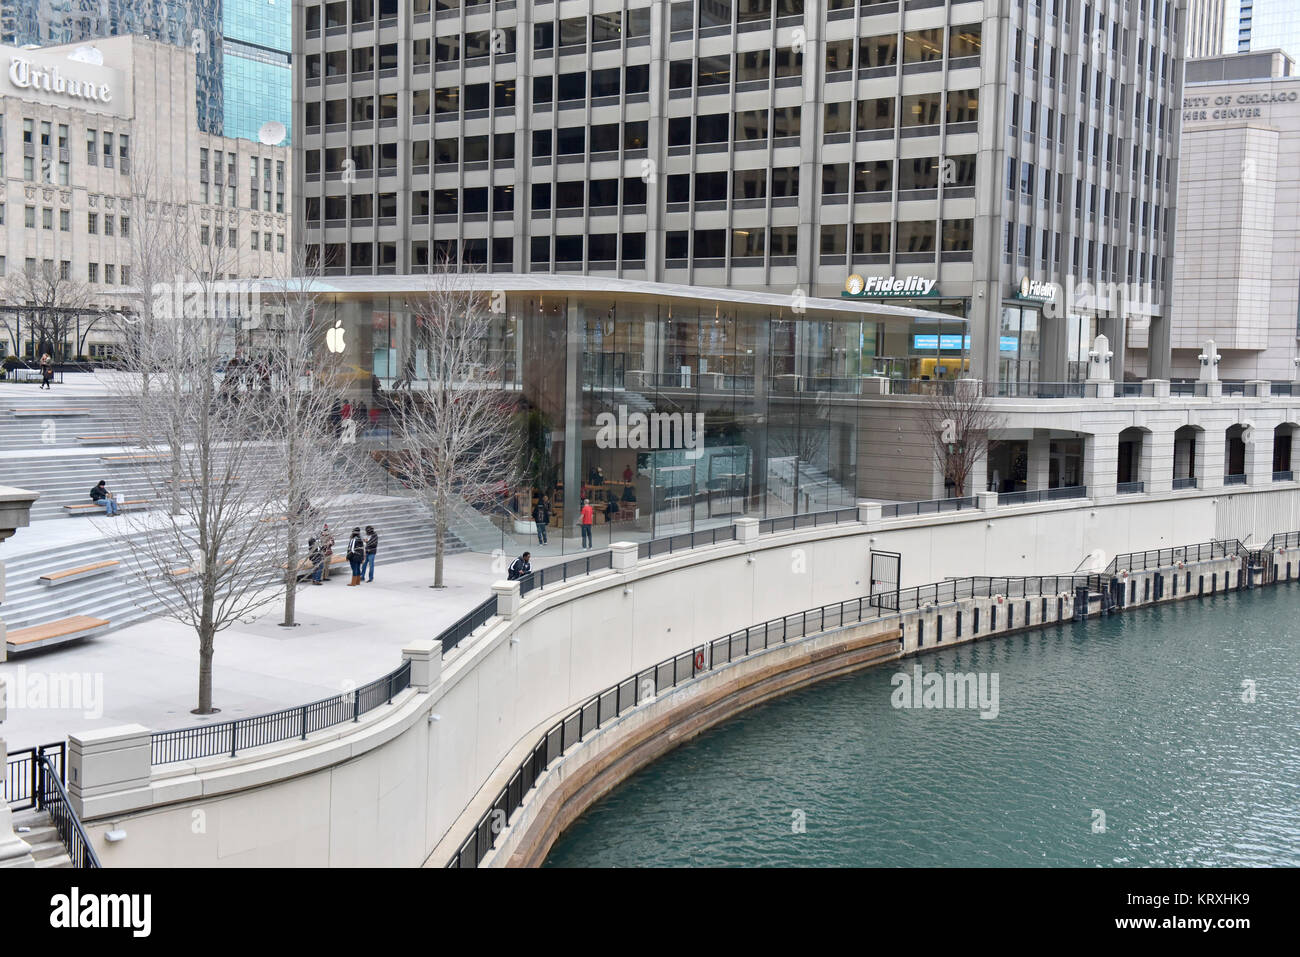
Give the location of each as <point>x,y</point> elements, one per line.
<point>148,673</point>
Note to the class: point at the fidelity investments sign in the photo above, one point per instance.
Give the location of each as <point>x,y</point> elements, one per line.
<point>884,287</point>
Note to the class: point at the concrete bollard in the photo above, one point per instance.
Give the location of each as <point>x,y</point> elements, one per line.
<point>105,768</point>
<point>746,529</point>
<point>623,557</point>
<point>426,664</point>
<point>508,599</point>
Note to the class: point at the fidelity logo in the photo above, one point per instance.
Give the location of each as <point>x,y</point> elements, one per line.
<point>879,286</point>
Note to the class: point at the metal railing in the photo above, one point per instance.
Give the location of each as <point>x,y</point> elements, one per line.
<point>1234,479</point>
<point>606,706</point>
<point>596,561</point>
<point>1285,475</point>
<point>52,798</point>
<point>467,625</point>
<point>1039,390</point>
<point>1129,488</point>
<point>22,774</point>
<point>787,523</point>
<point>1164,557</point>
<point>230,737</point>
<point>1187,482</point>
<point>1284,540</point>
<point>930,507</point>
<point>1034,496</point>
<point>686,540</point>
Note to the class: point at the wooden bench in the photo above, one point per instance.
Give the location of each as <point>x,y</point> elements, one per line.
<point>148,457</point>
<point>90,508</point>
<point>182,572</point>
<point>106,439</point>
<point>54,632</point>
<point>50,579</point>
<point>47,413</point>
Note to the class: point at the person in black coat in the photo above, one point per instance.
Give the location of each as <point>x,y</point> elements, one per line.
<point>542,516</point>
<point>372,546</point>
<point>356,555</point>
<point>520,567</point>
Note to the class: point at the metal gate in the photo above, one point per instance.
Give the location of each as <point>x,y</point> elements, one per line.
<point>885,570</point>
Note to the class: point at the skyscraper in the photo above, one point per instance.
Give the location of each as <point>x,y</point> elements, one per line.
<point>257,82</point>
<point>1020,168</point>
<point>1266,25</point>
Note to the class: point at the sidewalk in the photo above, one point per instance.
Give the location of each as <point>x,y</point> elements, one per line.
<point>148,673</point>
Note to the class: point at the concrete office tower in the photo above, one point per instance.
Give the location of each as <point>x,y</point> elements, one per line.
<point>1238,243</point>
<point>1209,24</point>
<point>1020,158</point>
<point>67,163</point>
<point>191,24</point>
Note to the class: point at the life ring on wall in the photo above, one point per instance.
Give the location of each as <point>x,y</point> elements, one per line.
<point>699,661</point>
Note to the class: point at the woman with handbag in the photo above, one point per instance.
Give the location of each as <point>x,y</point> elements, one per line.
<point>356,554</point>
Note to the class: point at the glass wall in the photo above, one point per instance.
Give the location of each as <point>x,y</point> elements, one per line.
<point>668,416</point>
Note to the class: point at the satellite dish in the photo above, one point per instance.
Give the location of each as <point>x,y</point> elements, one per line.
<point>271,133</point>
<point>87,55</point>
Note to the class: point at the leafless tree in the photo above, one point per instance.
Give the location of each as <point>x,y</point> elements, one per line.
<point>457,435</point>
<point>314,463</point>
<point>209,558</point>
<point>958,422</point>
<point>49,303</point>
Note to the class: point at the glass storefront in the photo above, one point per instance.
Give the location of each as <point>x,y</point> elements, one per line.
<point>773,396</point>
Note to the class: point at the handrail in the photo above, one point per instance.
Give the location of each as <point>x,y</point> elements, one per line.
<point>22,773</point>
<point>54,799</point>
<point>205,741</point>
<point>1156,557</point>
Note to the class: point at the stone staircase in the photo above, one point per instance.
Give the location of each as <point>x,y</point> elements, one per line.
<point>405,533</point>
<point>37,829</point>
<point>66,479</point>
<point>20,429</point>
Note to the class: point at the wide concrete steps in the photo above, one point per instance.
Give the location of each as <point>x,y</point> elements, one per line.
<point>72,416</point>
<point>123,597</point>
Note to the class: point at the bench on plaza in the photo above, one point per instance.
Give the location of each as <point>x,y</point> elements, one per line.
<point>127,459</point>
<point>54,632</point>
<point>47,413</point>
<point>304,565</point>
<point>106,439</point>
<point>50,579</point>
<point>188,570</point>
<point>91,508</point>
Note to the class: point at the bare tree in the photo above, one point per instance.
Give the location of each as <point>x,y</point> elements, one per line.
<point>50,303</point>
<point>456,427</point>
<point>958,422</point>
<point>301,386</point>
<point>207,559</point>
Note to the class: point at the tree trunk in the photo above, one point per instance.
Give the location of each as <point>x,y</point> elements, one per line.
<point>439,550</point>
<point>206,636</point>
<point>291,580</point>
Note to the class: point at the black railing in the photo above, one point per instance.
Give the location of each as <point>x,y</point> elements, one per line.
<point>930,507</point>
<point>686,540</point>
<point>1284,475</point>
<point>231,737</point>
<point>1128,388</point>
<point>1165,557</point>
<point>1129,488</point>
<point>467,625</point>
<point>1234,479</point>
<point>787,523</point>
<point>1039,390</point>
<point>1187,482</point>
<point>1284,540</point>
<point>52,798</point>
<point>596,561</point>
<point>1281,388</point>
<point>1034,496</point>
<point>21,783</point>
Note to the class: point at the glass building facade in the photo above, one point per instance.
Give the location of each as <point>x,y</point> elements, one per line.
<point>257,78</point>
<point>775,393</point>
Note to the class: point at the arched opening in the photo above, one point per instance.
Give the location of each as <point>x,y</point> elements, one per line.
<point>1128,468</point>
<point>1234,455</point>
<point>1189,445</point>
<point>1283,440</point>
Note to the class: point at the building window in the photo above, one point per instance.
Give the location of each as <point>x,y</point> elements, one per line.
<point>92,223</point>
<point>108,224</point>
<point>29,217</point>
<point>92,272</point>
<point>47,218</point>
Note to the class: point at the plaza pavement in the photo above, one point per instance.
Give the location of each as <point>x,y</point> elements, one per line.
<point>148,672</point>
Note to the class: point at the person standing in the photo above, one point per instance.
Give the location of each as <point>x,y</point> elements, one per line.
<point>326,550</point>
<point>542,516</point>
<point>611,509</point>
<point>356,555</point>
<point>47,370</point>
<point>316,557</point>
<point>588,517</point>
<point>372,546</point>
<point>100,495</point>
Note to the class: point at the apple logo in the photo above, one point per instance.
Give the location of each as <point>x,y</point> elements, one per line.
<point>334,338</point>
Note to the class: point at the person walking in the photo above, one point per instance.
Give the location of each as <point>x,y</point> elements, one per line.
<point>100,495</point>
<point>47,370</point>
<point>372,546</point>
<point>520,567</point>
<point>542,516</point>
<point>588,517</point>
<point>326,550</point>
<point>356,555</point>
<point>611,509</point>
<point>317,559</point>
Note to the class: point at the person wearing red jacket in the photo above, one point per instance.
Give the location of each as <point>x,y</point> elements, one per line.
<point>588,517</point>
